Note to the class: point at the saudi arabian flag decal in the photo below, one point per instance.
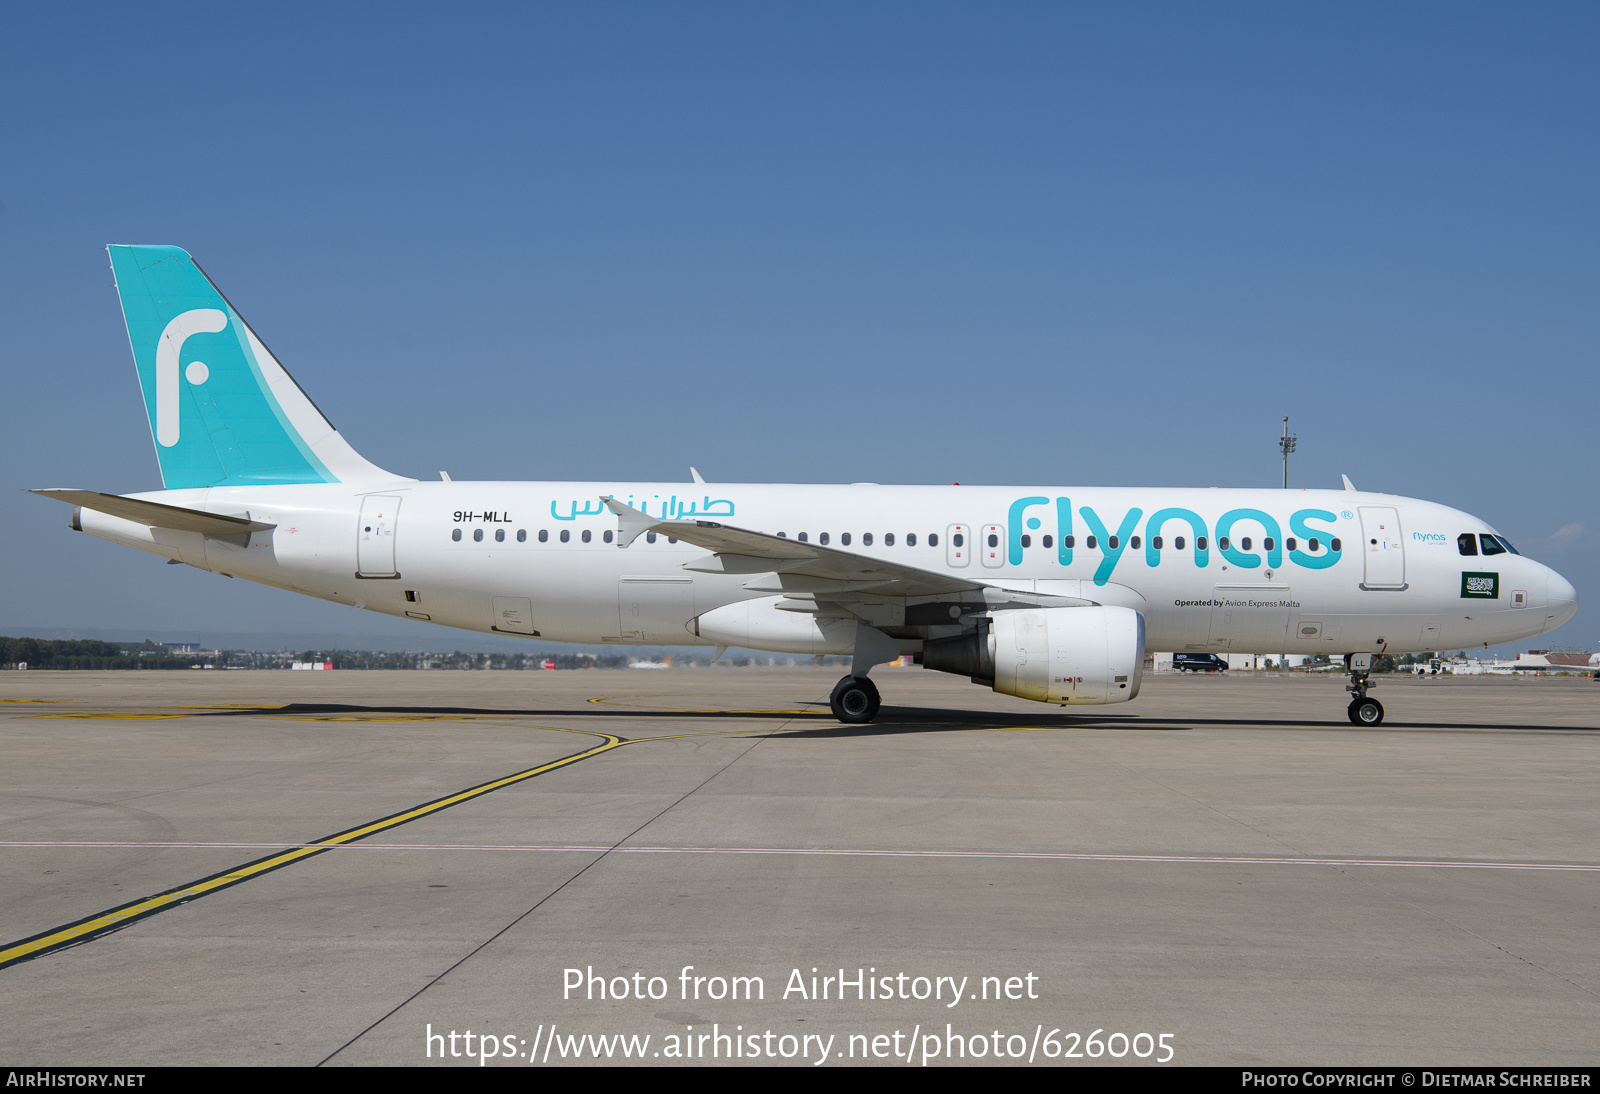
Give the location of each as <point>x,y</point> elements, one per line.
<point>1480,586</point>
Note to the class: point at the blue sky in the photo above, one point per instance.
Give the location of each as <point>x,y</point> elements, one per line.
<point>1088,245</point>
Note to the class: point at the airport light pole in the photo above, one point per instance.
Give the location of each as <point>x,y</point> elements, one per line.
<point>1286,443</point>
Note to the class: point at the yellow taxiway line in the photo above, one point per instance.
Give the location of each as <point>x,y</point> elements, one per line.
<point>115,918</point>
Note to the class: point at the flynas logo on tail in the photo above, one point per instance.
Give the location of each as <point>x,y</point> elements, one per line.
<point>168,351</point>
<point>204,374</point>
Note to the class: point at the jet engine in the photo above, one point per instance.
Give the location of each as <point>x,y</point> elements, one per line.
<point>1070,656</point>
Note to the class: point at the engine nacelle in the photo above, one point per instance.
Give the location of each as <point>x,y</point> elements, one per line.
<point>1070,656</point>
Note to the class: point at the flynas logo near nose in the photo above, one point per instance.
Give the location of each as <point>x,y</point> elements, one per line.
<point>168,350</point>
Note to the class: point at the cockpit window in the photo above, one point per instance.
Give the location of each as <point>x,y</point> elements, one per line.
<point>1506,543</point>
<point>1467,543</point>
<point>1491,546</point>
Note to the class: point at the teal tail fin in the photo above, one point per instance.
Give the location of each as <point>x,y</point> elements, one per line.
<point>222,410</point>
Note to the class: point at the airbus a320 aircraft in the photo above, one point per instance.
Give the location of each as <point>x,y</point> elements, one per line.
<point>1044,593</point>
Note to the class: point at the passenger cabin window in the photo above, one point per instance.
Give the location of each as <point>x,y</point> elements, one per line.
<point>649,537</point>
<point>888,539</point>
<point>1222,543</point>
<point>823,539</point>
<point>959,540</point>
<point>801,537</point>
<point>994,540</point>
<point>933,539</point>
<point>1155,542</point>
<point>1313,545</point>
<point>587,535</point>
<point>544,535</point>
<point>783,535</point>
<point>607,537</point>
<point>566,535</point>
<point>1047,542</point>
<point>1069,542</point>
<point>866,539</point>
<point>1335,546</point>
<point>1199,543</point>
<point>1086,539</point>
<point>670,539</point>
<point>1290,543</point>
<point>1267,543</point>
<point>911,539</point>
<point>456,535</point>
<point>1245,543</point>
<point>499,535</point>
<point>1027,541</point>
<point>477,535</point>
<point>1177,541</point>
<point>522,535</point>
<point>1133,542</point>
<point>844,538</point>
<point>1491,546</point>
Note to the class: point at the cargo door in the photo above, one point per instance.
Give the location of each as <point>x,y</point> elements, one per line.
<point>1250,618</point>
<point>1383,548</point>
<point>654,610</point>
<point>375,536</point>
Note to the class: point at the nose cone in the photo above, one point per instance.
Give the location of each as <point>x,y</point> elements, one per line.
<point>1563,601</point>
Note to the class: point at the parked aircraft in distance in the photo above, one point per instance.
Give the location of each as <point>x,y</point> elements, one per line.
<point>1045,593</point>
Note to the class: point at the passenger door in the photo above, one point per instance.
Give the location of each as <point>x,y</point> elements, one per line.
<point>375,536</point>
<point>1383,548</point>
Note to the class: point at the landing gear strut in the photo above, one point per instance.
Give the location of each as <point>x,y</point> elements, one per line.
<point>854,700</point>
<point>1363,711</point>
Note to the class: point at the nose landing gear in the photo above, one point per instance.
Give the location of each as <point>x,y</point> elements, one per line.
<point>1362,710</point>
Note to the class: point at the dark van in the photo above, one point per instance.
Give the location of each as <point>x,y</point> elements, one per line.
<point>1199,662</point>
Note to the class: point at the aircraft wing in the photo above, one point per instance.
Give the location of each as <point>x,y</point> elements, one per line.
<point>812,572</point>
<point>156,515</point>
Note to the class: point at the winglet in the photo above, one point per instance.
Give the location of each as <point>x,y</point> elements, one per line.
<point>1348,485</point>
<point>631,524</point>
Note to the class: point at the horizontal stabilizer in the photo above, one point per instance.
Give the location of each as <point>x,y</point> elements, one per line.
<point>156,515</point>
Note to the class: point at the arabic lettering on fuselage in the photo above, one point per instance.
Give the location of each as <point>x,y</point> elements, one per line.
<point>669,508</point>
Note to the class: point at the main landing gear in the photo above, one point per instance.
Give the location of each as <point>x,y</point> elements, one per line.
<point>854,700</point>
<point>1363,711</point>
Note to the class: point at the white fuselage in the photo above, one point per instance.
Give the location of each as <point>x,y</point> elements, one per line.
<point>535,558</point>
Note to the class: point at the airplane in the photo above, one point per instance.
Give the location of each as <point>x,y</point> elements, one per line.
<point>1050,594</point>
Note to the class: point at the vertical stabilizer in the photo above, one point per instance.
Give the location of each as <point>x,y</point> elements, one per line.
<point>222,410</point>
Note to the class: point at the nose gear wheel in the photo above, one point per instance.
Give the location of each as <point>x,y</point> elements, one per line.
<point>1366,712</point>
